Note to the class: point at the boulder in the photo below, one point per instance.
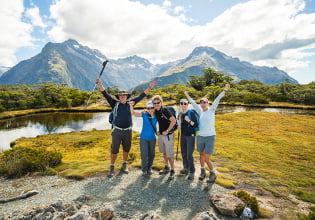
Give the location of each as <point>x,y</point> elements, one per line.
<point>83,214</point>
<point>205,216</point>
<point>227,204</point>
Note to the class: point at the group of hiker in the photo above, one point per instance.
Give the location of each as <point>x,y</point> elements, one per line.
<point>188,122</point>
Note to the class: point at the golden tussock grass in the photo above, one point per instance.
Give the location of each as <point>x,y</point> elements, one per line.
<point>85,153</point>
<point>272,150</point>
<point>279,148</point>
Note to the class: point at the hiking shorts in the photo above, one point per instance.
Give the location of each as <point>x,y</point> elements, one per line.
<point>121,137</point>
<point>205,144</point>
<point>166,144</point>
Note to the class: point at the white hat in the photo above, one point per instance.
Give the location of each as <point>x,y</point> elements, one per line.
<point>150,104</point>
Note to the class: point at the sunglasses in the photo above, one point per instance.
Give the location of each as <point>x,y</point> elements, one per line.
<point>183,103</point>
<point>156,103</point>
<point>150,108</point>
<point>202,102</point>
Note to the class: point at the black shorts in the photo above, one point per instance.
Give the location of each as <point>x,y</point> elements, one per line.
<point>121,137</point>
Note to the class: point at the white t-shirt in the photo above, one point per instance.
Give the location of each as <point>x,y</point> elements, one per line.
<point>207,118</point>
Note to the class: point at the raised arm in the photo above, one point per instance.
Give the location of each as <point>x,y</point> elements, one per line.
<point>151,85</point>
<point>109,99</point>
<point>194,104</point>
<point>100,85</point>
<point>133,112</point>
<point>219,97</point>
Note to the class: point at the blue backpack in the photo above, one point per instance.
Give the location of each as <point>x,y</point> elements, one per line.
<point>192,111</point>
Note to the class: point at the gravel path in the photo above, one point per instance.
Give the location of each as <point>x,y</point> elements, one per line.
<point>129,194</point>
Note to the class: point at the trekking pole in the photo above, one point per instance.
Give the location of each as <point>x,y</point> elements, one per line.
<point>104,64</point>
<point>177,144</point>
<point>179,122</point>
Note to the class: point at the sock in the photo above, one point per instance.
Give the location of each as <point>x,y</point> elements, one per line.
<point>212,171</point>
<point>125,162</point>
<point>202,167</point>
<point>113,165</point>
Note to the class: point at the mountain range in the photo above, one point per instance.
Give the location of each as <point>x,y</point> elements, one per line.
<point>78,66</point>
<point>3,69</point>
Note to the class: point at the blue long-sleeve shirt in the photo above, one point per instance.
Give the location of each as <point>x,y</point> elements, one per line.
<point>123,117</point>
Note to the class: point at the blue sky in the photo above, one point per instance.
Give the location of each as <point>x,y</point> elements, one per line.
<point>277,33</point>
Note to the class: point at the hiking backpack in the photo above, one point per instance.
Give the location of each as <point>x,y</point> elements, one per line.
<point>172,110</point>
<point>113,113</point>
<point>189,113</point>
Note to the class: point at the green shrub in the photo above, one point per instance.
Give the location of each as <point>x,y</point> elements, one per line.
<point>249,200</point>
<point>132,156</point>
<point>253,98</point>
<point>20,161</point>
<point>2,109</point>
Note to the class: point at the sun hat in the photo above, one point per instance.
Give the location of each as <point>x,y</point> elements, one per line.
<point>150,104</point>
<point>122,92</point>
<point>204,99</point>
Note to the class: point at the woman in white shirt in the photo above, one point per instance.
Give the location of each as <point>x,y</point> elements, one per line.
<point>206,137</point>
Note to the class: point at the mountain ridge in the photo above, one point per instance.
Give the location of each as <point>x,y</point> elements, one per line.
<point>77,66</point>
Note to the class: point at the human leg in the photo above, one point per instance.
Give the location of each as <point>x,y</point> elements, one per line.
<point>126,143</point>
<point>190,157</point>
<point>183,145</point>
<point>144,149</point>
<point>151,155</point>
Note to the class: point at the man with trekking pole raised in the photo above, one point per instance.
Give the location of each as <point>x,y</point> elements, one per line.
<point>122,123</point>
<point>206,137</point>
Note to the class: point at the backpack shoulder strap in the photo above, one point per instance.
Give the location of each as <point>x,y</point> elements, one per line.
<point>150,120</point>
<point>163,115</point>
<point>115,109</point>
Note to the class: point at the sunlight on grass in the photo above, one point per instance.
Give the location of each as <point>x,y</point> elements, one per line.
<point>274,151</point>
<point>86,153</point>
<point>225,181</point>
<point>279,148</point>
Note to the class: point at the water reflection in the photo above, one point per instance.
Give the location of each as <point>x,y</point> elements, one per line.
<point>47,123</point>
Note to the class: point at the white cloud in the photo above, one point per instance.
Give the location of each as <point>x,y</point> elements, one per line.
<point>167,4</point>
<point>34,16</point>
<point>256,25</point>
<point>268,32</point>
<point>14,32</point>
<point>121,28</point>
<point>179,9</point>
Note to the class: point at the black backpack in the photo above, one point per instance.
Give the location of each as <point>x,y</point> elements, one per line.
<point>173,113</point>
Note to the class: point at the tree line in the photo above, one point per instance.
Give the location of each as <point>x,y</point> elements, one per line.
<point>49,95</point>
<point>246,91</point>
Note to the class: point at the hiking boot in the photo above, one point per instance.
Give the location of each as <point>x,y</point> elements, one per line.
<point>184,171</point>
<point>202,174</point>
<point>165,171</point>
<point>172,174</point>
<point>124,168</point>
<point>144,174</point>
<point>212,177</point>
<point>150,171</point>
<point>191,176</point>
<point>111,171</point>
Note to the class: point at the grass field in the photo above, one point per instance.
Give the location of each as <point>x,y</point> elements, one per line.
<point>273,151</point>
